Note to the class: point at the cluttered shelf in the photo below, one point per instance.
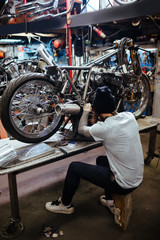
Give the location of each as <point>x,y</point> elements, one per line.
<point>102,16</point>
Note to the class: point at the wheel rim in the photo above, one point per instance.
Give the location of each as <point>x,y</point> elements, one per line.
<point>136,100</point>
<point>32,109</point>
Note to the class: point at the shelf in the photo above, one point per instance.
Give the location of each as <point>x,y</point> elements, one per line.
<point>33,27</point>
<point>138,9</point>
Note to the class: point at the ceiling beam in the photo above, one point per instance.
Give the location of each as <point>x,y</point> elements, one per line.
<point>117,13</point>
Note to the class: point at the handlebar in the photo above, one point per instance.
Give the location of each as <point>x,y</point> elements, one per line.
<point>37,8</point>
<point>31,6</point>
<point>27,6</point>
<point>45,55</point>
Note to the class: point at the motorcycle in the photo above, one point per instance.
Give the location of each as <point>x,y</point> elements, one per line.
<point>35,106</point>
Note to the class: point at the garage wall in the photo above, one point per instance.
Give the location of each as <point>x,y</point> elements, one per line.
<point>156,100</point>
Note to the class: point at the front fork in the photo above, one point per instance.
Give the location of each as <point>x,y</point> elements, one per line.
<point>135,59</point>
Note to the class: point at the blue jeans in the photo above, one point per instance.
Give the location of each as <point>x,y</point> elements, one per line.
<point>99,174</point>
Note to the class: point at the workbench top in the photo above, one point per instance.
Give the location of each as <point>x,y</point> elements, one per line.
<point>146,123</point>
<point>58,147</point>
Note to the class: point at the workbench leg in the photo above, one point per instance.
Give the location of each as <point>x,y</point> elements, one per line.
<point>15,227</point>
<point>151,146</point>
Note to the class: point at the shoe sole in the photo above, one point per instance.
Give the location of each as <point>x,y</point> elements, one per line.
<point>111,209</point>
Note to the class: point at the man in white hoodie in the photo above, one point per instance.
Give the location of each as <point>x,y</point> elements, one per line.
<point>121,170</point>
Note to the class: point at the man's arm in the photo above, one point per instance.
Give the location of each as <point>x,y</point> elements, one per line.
<point>83,127</point>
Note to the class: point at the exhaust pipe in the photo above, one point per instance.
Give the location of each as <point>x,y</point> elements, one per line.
<point>67,108</point>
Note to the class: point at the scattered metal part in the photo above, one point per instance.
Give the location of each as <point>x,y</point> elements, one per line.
<point>51,231</point>
<point>60,145</point>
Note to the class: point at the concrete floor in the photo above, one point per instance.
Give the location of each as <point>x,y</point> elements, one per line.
<point>91,220</point>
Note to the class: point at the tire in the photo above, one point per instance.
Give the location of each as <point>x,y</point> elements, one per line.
<point>122,2</point>
<point>140,99</point>
<point>27,108</point>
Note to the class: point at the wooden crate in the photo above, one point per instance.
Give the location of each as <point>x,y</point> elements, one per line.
<point>123,211</point>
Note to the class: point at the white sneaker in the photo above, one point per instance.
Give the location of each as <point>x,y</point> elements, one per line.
<point>107,203</point>
<point>58,207</point>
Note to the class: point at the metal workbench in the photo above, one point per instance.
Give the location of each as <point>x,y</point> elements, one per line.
<point>60,151</point>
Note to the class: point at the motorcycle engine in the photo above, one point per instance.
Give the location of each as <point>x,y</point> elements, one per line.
<point>102,77</point>
<point>11,68</point>
<point>106,77</point>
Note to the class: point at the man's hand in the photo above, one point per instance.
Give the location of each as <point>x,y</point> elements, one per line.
<point>87,107</point>
<point>94,116</point>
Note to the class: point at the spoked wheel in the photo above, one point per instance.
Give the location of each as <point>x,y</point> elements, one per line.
<point>125,2</point>
<point>28,108</point>
<point>137,96</point>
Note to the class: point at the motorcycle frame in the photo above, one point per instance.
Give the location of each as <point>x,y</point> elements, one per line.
<point>88,67</point>
<point>64,69</point>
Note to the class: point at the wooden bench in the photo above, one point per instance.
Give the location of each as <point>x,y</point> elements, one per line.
<point>123,210</point>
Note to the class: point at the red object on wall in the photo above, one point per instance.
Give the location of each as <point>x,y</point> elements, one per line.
<point>99,32</point>
<point>144,69</point>
<point>58,43</point>
<point>1,54</point>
